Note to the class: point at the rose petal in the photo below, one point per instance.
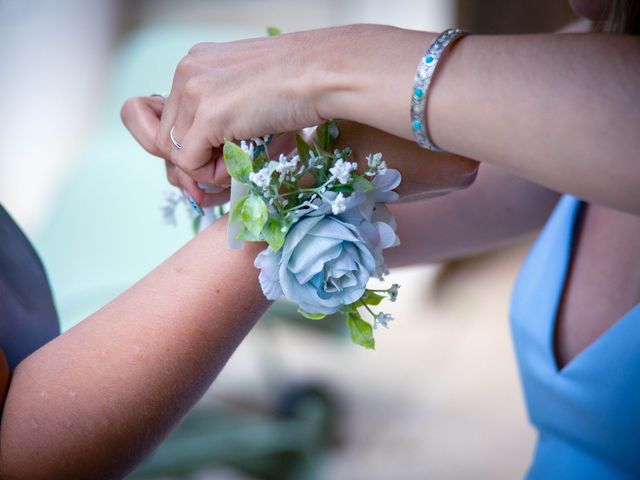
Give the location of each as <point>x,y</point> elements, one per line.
<point>388,237</point>
<point>305,266</point>
<point>390,180</point>
<point>268,262</point>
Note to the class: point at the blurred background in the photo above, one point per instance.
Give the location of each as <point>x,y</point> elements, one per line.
<point>439,398</point>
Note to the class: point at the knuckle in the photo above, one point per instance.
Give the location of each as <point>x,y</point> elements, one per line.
<point>200,47</point>
<point>186,66</point>
<point>193,88</point>
<point>160,143</point>
<point>180,161</point>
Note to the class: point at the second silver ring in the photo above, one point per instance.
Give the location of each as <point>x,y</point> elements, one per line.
<point>174,140</point>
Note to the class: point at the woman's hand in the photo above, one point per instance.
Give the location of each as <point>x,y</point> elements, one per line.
<point>254,87</point>
<point>425,174</point>
<point>250,88</point>
<point>142,115</point>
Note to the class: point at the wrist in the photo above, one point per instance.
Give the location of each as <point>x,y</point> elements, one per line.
<point>366,75</point>
<point>229,275</point>
<point>447,97</point>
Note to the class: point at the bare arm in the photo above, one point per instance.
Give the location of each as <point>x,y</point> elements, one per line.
<point>499,207</point>
<point>95,401</point>
<point>559,110</point>
<point>495,209</point>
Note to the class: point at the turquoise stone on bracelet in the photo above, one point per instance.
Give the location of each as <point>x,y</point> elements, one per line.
<point>418,92</point>
<point>417,125</point>
<point>429,59</point>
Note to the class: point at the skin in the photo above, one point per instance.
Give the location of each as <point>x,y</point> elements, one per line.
<point>475,112</point>
<point>555,137</point>
<point>476,107</point>
<point>159,346</point>
<point>116,383</point>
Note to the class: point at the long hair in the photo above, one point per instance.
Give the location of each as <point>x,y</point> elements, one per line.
<point>622,16</point>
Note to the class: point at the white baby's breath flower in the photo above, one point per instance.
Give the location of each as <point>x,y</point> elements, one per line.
<point>247,147</point>
<point>373,160</point>
<point>168,207</point>
<point>376,165</point>
<point>382,319</point>
<point>341,171</point>
<point>287,166</point>
<point>259,141</point>
<point>339,204</point>
<point>262,178</point>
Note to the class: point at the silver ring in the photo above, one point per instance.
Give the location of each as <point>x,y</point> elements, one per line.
<point>161,95</point>
<point>172,135</point>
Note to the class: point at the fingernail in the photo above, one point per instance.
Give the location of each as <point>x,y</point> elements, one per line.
<point>210,188</point>
<point>195,206</point>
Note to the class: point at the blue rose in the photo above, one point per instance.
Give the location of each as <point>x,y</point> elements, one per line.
<point>324,264</point>
<point>368,213</point>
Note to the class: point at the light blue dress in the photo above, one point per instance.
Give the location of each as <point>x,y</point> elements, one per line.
<point>587,413</point>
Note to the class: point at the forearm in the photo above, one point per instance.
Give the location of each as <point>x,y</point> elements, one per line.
<point>560,110</point>
<point>425,174</point>
<point>495,209</point>
<point>102,395</point>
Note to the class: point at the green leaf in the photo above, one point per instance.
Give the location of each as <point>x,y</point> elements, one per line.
<point>311,316</point>
<point>361,331</point>
<point>303,148</point>
<point>372,298</point>
<point>273,234</point>
<point>273,31</point>
<point>236,214</point>
<point>237,161</point>
<point>196,224</point>
<point>247,236</point>
<point>254,215</point>
<point>322,136</point>
<point>361,184</point>
<point>342,188</point>
<point>352,307</point>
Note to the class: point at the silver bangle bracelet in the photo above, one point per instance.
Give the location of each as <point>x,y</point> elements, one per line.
<point>422,82</point>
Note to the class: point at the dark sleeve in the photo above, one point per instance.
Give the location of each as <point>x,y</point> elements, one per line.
<point>28,317</point>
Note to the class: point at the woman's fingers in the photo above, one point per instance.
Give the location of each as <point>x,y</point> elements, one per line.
<point>214,199</point>
<point>170,112</point>
<point>141,116</point>
<point>221,175</point>
<point>190,186</point>
<point>195,156</point>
